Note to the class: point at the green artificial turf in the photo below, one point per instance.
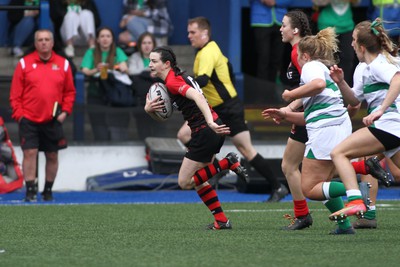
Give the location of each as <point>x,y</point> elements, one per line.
<point>175,235</point>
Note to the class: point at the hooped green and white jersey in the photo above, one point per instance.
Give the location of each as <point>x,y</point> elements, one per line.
<point>376,79</point>
<point>375,84</point>
<point>325,108</point>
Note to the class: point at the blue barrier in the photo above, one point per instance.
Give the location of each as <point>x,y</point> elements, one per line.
<point>79,114</point>
<point>110,13</point>
<point>4,24</point>
<point>44,18</point>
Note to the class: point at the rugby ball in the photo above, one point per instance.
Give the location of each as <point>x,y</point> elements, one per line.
<point>159,89</point>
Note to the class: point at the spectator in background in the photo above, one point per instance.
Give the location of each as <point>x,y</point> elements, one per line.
<point>266,19</point>
<point>139,61</point>
<point>139,66</point>
<point>338,14</point>
<point>139,72</point>
<point>41,97</point>
<point>144,16</point>
<point>389,12</point>
<point>75,22</point>
<point>112,125</point>
<point>23,24</point>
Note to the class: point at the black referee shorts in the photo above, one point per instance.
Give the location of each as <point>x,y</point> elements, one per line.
<point>231,113</point>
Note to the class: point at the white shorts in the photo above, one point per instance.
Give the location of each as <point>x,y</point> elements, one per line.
<point>322,141</point>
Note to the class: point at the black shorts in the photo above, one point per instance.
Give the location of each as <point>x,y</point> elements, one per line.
<point>389,141</point>
<point>299,133</point>
<point>48,137</point>
<point>231,113</point>
<point>204,144</point>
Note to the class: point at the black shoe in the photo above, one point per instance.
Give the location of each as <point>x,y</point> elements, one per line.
<point>298,223</point>
<point>376,170</point>
<point>278,194</point>
<point>338,231</point>
<point>220,225</point>
<point>31,196</point>
<point>234,165</point>
<point>47,196</point>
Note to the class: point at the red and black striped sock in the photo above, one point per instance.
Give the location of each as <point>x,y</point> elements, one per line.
<point>204,174</point>
<point>210,199</point>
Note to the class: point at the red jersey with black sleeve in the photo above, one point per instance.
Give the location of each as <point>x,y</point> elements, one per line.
<point>294,71</point>
<point>177,87</point>
<point>38,84</point>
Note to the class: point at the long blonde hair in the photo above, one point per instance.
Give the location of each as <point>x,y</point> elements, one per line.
<point>321,47</point>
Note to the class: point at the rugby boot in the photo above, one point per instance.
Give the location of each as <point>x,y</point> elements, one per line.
<point>364,188</point>
<point>375,169</point>
<point>234,165</point>
<point>338,231</point>
<point>31,196</point>
<point>31,192</point>
<point>217,225</point>
<point>47,195</point>
<point>355,207</point>
<point>298,223</point>
<point>278,194</point>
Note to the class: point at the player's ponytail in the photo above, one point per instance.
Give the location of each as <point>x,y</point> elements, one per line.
<point>321,46</point>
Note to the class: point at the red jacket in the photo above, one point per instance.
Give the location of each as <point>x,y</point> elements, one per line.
<point>37,85</point>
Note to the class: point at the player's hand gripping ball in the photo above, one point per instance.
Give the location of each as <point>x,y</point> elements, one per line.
<point>159,89</point>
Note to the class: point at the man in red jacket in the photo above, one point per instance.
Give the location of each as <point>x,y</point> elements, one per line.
<point>42,95</point>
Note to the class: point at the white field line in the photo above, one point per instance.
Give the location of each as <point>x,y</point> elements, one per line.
<point>379,206</point>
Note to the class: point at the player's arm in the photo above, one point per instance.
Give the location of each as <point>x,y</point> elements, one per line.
<point>337,76</point>
<point>153,105</point>
<point>17,86</point>
<point>201,102</point>
<point>284,114</point>
<point>312,88</point>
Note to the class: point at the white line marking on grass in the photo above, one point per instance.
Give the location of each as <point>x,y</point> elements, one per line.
<point>387,205</point>
<point>381,207</point>
<point>274,210</point>
<point>23,203</point>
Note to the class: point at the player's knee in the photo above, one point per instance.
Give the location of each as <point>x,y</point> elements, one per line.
<point>308,192</point>
<point>336,152</point>
<point>285,168</point>
<point>185,185</point>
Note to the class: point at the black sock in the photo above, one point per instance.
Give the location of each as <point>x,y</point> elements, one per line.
<point>30,186</point>
<point>48,186</point>
<point>262,166</point>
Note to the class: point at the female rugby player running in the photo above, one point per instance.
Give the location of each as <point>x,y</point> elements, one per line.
<point>207,133</point>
